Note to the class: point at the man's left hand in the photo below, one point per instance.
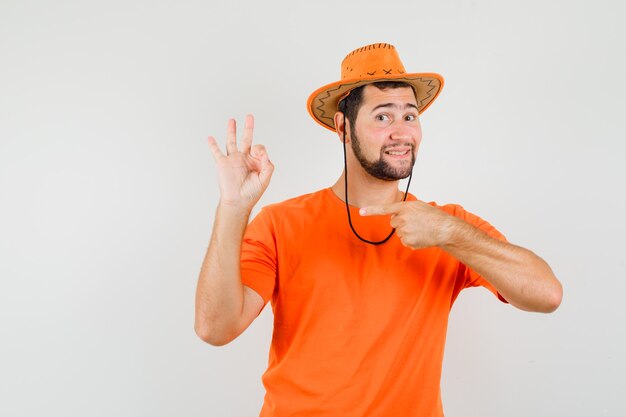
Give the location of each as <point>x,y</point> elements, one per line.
<point>417,224</point>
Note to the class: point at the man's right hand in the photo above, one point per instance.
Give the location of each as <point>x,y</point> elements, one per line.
<point>224,306</point>
<point>244,173</point>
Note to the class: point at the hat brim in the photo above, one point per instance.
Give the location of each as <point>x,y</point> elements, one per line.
<point>322,104</point>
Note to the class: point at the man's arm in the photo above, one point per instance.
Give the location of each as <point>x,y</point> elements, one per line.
<point>225,307</point>
<point>524,279</point>
<point>521,277</point>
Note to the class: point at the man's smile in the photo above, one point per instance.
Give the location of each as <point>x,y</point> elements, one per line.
<point>399,152</point>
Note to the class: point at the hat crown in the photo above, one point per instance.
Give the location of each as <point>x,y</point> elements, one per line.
<point>378,59</point>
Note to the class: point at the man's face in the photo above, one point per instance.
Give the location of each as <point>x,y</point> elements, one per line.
<point>387,132</point>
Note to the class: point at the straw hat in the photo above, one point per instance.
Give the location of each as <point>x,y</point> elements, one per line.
<point>366,65</point>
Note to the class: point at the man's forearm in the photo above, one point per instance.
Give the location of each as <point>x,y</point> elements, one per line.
<point>220,295</point>
<point>521,277</point>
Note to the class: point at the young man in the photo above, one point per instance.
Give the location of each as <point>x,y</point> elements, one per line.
<point>361,276</point>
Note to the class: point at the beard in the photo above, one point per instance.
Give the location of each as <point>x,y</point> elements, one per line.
<point>380,168</point>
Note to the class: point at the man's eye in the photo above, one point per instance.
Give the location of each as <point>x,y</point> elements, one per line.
<point>382,117</point>
<point>410,117</point>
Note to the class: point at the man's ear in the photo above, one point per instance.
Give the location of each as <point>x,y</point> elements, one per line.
<point>340,125</point>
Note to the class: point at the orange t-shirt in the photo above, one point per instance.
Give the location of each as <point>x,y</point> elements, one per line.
<point>359,330</point>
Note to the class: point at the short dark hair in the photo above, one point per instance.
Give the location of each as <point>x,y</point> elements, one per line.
<point>350,105</point>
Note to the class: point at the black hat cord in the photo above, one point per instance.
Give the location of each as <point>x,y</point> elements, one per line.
<point>345,164</point>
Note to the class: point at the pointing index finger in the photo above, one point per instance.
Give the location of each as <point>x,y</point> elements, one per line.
<point>382,209</point>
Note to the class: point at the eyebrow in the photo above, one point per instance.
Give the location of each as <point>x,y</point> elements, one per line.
<point>406,106</point>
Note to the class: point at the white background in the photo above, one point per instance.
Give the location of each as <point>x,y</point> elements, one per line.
<point>108,189</point>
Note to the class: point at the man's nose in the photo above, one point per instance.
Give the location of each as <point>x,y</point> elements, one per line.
<point>400,131</point>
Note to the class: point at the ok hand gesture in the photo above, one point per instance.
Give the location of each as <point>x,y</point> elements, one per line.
<point>244,173</point>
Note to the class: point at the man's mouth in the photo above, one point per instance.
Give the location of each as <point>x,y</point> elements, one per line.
<point>398,152</point>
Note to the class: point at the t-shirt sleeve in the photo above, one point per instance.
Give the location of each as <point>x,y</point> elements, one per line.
<point>258,255</point>
<point>471,277</point>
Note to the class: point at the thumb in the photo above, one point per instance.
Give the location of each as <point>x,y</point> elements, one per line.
<point>267,168</point>
<point>258,151</point>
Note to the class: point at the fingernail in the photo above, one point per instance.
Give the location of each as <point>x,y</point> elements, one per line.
<point>362,212</point>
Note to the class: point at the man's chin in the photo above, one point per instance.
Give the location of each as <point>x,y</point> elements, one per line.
<point>390,176</point>
<point>394,174</point>
<point>394,170</point>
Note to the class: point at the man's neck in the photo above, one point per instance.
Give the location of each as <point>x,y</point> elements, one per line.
<point>365,190</point>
